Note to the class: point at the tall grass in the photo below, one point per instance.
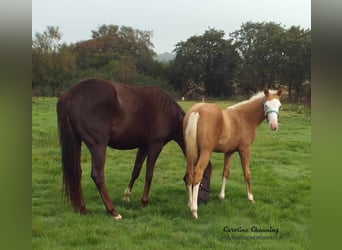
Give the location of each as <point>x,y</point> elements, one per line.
<point>281,184</point>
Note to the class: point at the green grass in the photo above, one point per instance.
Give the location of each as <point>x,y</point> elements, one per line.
<point>281,184</point>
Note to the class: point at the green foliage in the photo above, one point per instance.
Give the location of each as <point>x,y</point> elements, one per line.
<point>52,62</point>
<point>114,53</point>
<point>209,59</point>
<point>126,71</point>
<point>260,46</point>
<point>113,42</point>
<point>272,54</point>
<point>105,31</point>
<point>296,68</point>
<point>281,183</point>
<point>258,54</point>
<point>48,41</point>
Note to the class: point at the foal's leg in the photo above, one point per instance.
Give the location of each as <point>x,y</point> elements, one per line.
<point>198,174</point>
<point>244,157</point>
<point>98,154</point>
<point>152,155</point>
<point>188,180</point>
<point>139,160</point>
<point>225,174</point>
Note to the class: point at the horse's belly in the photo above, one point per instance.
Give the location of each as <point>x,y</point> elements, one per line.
<point>126,141</point>
<point>121,146</point>
<point>225,145</point>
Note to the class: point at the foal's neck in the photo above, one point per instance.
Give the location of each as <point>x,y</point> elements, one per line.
<point>253,111</point>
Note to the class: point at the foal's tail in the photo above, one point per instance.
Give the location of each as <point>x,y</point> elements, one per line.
<point>190,138</point>
<point>71,151</point>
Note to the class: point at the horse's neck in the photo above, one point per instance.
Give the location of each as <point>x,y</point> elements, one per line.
<point>253,112</point>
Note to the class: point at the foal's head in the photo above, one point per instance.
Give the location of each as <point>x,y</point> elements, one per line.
<point>271,107</point>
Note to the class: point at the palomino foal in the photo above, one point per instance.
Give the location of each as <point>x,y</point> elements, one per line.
<point>207,128</point>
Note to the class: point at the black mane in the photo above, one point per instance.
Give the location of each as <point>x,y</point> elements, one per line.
<point>167,103</point>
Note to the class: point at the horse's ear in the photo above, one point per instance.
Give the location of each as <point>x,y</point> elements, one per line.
<point>266,92</point>
<point>279,91</point>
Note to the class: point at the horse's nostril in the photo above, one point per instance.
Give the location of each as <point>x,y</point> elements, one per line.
<point>273,127</point>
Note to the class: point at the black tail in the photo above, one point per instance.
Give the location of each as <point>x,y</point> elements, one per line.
<point>71,151</point>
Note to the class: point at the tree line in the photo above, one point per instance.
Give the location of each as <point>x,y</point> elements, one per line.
<point>209,65</point>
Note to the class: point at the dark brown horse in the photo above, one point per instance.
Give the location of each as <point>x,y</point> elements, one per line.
<point>100,114</point>
<point>208,128</point>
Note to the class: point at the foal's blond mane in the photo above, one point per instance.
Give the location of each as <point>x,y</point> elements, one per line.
<point>256,96</point>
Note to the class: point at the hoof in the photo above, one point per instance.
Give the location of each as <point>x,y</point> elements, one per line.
<point>127,194</point>
<point>118,217</point>
<point>221,197</point>
<point>144,202</point>
<point>250,197</point>
<point>83,211</point>
<point>194,214</point>
<point>126,198</point>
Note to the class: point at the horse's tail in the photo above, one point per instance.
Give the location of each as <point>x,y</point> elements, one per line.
<point>70,145</point>
<point>190,137</point>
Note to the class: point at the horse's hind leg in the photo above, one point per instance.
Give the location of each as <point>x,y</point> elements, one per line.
<point>198,175</point>
<point>244,157</point>
<point>139,160</point>
<point>225,174</point>
<point>98,154</point>
<point>152,155</point>
<point>76,191</point>
<point>189,180</point>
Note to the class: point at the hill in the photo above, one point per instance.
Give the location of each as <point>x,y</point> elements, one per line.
<point>165,57</point>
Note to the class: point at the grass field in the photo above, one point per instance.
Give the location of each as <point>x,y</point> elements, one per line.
<point>281,184</point>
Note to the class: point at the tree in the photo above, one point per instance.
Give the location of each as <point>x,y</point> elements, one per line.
<point>260,46</point>
<point>209,59</point>
<point>105,31</point>
<point>296,68</point>
<point>125,71</point>
<point>272,54</point>
<point>111,42</point>
<point>48,41</point>
<point>193,90</point>
<point>137,44</point>
<point>52,62</point>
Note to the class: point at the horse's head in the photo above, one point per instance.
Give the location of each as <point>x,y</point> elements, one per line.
<point>271,107</point>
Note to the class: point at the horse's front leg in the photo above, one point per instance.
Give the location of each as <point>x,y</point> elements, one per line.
<point>139,160</point>
<point>244,157</point>
<point>225,174</point>
<point>152,155</point>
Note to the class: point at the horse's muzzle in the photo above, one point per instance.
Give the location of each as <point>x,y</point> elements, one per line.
<point>273,126</point>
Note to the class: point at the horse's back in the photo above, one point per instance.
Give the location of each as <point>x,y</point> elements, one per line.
<point>88,93</point>
<point>210,124</point>
<point>205,109</point>
<point>148,116</point>
<point>123,115</point>
<point>100,100</point>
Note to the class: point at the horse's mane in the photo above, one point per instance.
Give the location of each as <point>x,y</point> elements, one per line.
<point>256,96</point>
<point>167,103</point>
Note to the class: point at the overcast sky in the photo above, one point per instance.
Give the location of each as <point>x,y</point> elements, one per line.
<point>171,21</point>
